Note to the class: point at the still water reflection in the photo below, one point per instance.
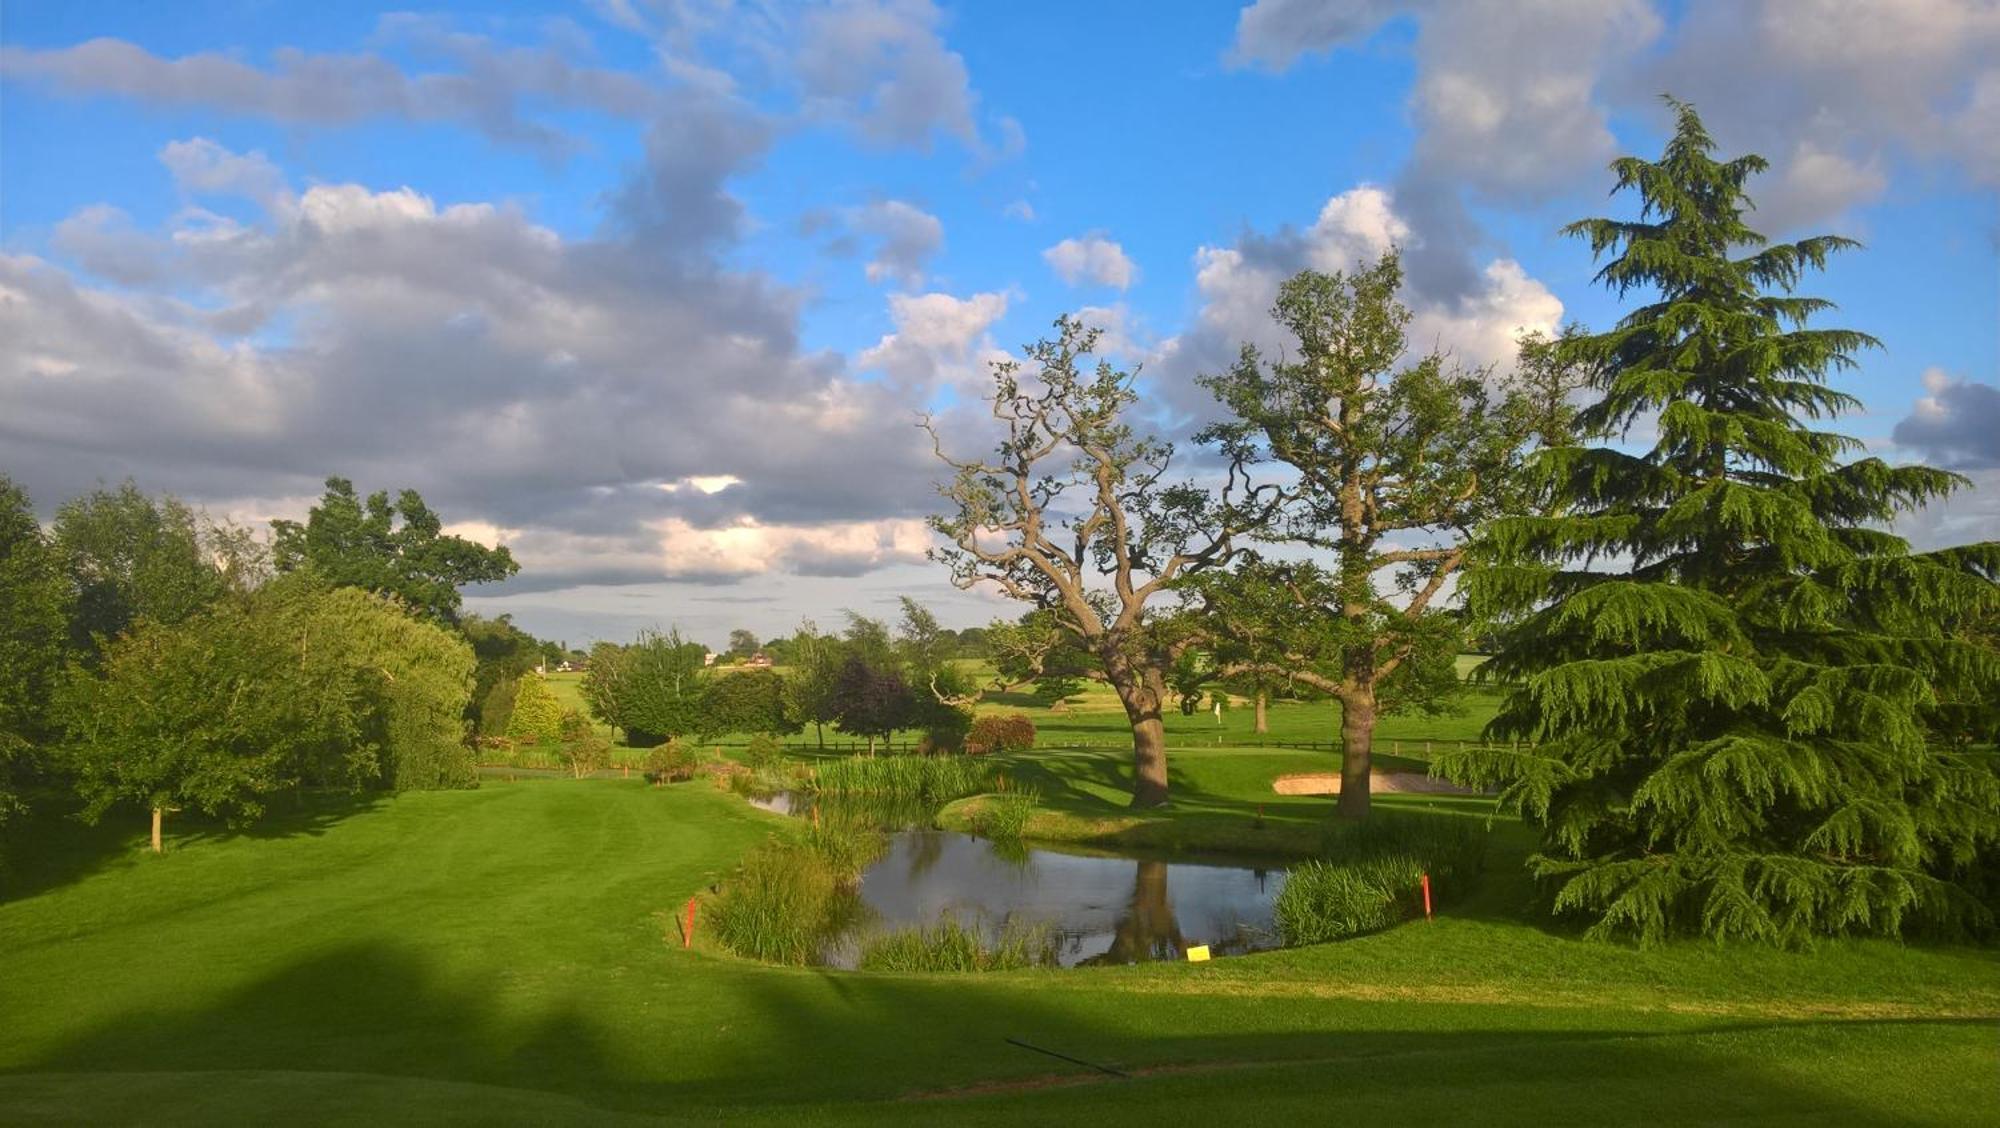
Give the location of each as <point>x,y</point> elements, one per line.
<point>1102,909</point>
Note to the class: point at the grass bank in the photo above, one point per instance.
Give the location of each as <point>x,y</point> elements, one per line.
<point>510,955</point>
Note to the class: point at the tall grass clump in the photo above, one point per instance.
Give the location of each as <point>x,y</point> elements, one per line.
<point>951,946</point>
<point>1005,816</point>
<point>1324,901</point>
<point>784,903</point>
<point>1372,875</point>
<point>928,779</point>
<point>847,844</point>
<point>1451,849</point>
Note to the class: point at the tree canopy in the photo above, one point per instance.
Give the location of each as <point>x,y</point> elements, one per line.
<point>394,548</point>
<point>1395,459</point>
<point>1073,512</point>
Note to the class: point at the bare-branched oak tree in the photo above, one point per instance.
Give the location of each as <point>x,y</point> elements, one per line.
<point>1072,513</point>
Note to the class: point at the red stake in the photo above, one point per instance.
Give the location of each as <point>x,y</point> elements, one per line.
<point>1427,897</point>
<point>687,926</point>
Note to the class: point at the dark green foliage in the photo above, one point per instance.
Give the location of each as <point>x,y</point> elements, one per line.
<point>1729,676</point>
<point>871,701</point>
<point>35,602</point>
<point>537,715</point>
<point>745,701</point>
<point>394,548</point>
<point>130,557</point>
<point>495,705</point>
<point>505,652</point>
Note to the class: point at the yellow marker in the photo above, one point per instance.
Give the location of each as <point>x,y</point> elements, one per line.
<point>1198,953</point>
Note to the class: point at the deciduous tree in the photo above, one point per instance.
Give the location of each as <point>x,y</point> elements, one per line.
<point>1397,459</point>
<point>1073,513</point>
<point>388,547</point>
<point>35,600</point>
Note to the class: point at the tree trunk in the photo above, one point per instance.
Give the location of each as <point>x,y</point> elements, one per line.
<point>158,814</point>
<point>1149,762</point>
<point>1357,745</point>
<point>819,731</point>
<point>1142,695</point>
<point>1263,724</point>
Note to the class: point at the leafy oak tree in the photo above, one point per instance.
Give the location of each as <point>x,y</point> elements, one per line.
<point>1727,673</point>
<point>1073,513</point>
<point>1397,459</point>
<point>396,548</point>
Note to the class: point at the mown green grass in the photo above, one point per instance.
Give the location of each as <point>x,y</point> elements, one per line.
<point>510,955</point>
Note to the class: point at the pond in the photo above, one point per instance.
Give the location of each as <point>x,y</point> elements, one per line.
<point>1101,908</point>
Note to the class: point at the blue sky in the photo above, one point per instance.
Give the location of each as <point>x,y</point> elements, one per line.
<point>652,292</point>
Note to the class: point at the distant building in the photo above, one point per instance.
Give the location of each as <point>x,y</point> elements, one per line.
<point>758,661</point>
<point>708,658</point>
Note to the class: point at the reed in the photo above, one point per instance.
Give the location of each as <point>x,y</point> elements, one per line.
<point>932,780</point>
<point>783,903</point>
<point>1372,875</point>
<point>949,946</point>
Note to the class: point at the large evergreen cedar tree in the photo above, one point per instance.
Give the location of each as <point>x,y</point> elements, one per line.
<point>394,548</point>
<point>35,604</point>
<point>1073,514</point>
<point>1731,682</point>
<point>295,685</point>
<point>1397,460</point>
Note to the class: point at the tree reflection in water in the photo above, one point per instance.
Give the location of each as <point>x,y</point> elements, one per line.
<point>1147,930</point>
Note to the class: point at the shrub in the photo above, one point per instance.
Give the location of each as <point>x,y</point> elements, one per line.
<point>1011,733</point>
<point>763,753</point>
<point>949,946</point>
<point>673,762</point>
<point>582,750</point>
<point>537,717</point>
<point>783,904</point>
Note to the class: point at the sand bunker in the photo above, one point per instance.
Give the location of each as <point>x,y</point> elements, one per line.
<point>1380,783</point>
